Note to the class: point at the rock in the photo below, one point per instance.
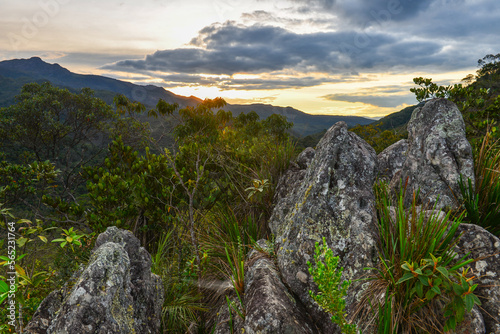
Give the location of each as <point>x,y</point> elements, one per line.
<point>331,198</point>
<point>438,152</point>
<point>46,311</point>
<point>114,293</point>
<point>228,320</point>
<point>270,308</point>
<point>305,157</point>
<point>485,247</point>
<point>287,185</point>
<point>473,323</point>
<point>146,288</point>
<point>392,159</point>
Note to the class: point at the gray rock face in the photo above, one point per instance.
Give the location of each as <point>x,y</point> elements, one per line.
<point>228,320</point>
<point>271,309</point>
<point>485,247</point>
<point>305,157</point>
<point>392,159</point>
<point>438,153</point>
<point>114,293</point>
<point>331,198</point>
<point>473,323</point>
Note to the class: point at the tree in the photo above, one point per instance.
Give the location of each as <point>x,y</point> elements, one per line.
<point>54,124</point>
<point>277,125</point>
<point>489,64</point>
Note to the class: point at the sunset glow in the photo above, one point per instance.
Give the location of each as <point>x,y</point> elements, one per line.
<point>334,57</point>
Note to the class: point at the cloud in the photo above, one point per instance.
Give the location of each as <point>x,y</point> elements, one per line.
<point>383,96</point>
<point>364,36</point>
<point>265,100</point>
<point>365,13</point>
<point>230,48</point>
<point>264,82</point>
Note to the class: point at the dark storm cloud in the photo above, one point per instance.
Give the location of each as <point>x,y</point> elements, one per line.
<point>371,36</point>
<point>228,49</point>
<point>365,13</point>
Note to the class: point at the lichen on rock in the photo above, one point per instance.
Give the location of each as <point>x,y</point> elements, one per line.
<point>438,153</point>
<point>329,197</point>
<point>115,292</point>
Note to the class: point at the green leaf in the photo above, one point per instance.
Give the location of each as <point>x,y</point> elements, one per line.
<point>429,294</point>
<point>21,241</point>
<point>459,309</point>
<point>424,280</point>
<point>443,271</point>
<point>458,289</point>
<point>44,239</point>
<point>436,290</point>
<point>405,277</point>
<point>451,324</point>
<point>405,266</point>
<point>3,287</point>
<point>420,289</point>
<point>476,299</point>
<point>469,302</point>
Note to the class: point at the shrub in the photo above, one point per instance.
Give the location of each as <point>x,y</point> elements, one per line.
<point>332,289</point>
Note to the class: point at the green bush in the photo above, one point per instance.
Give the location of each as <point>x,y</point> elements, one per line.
<point>331,289</point>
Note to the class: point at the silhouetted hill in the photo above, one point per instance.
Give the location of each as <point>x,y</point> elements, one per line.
<point>397,119</point>
<point>304,124</point>
<point>17,72</point>
<point>39,70</point>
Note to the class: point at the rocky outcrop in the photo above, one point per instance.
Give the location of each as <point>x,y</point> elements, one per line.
<point>438,152</point>
<point>115,293</point>
<point>485,248</point>
<point>391,160</point>
<point>271,309</point>
<point>329,197</point>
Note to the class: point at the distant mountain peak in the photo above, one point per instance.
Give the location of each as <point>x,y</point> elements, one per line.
<point>36,69</point>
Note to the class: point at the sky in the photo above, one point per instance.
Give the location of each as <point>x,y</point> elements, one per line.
<point>337,57</point>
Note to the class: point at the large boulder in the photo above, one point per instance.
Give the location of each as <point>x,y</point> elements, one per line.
<point>391,160</point>
<point>331,197</point>
<point>115,292</point>
<point>484,247</point>
<point>270,307</point>
<point>438,153</point>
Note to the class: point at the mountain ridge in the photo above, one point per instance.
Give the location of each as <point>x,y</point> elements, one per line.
<point>16,72</point>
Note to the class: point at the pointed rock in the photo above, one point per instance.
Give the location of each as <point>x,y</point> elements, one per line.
<point>438,153</point>
<point>331,197</point>
<point>270,307</point>
<point>115,292</point>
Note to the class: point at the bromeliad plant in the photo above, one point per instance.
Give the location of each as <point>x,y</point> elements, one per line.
<point>418,274</point>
